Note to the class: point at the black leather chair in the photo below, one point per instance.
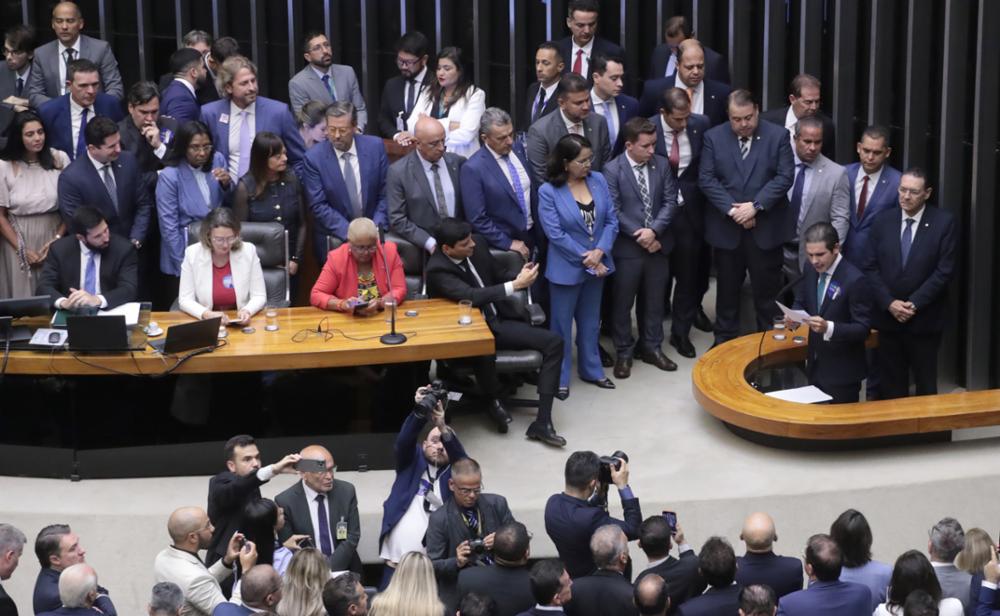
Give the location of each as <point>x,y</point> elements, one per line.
<point>414,260</point>
<point>271,241</point>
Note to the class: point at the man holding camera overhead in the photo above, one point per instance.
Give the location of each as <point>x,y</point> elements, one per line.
<point>460,534</point>
<point>572,516</point>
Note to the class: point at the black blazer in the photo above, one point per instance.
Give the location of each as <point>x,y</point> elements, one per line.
<point>342,502</point>
<point>119,274</point>
<point>393,103</point>
<point>7,606</point>
<point>135,143</point>
<point>448,280</point>
<point>228,493</point>
<point>446,529</point>
<point>602,47</point>
<point>925,278</point>
<point>551,104</point>
<point>716,67</point>
<point>601,594</point>
<point>682,578</point>
<point>716,96</point>
<point>692,212</point>
<point>570,522</point>
<point>777,116</point>
<point>510,587</point>
<point>782,573</point>
<point>715,602</point>
<point>80,184</point>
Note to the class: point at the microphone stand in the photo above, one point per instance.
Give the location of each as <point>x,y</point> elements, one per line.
<point>393,337</point>
<point>760,346</point>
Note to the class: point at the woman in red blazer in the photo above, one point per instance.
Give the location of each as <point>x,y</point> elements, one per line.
<point>354,276</point>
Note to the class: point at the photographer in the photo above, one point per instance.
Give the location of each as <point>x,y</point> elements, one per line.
<point>460,534</point>
<point>572,516</point>
<point>423,470</point>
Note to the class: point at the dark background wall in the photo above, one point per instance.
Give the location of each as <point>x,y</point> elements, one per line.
<point>928,69</point>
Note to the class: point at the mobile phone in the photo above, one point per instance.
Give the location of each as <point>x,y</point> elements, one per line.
<point>671,519</point>
<point>358,307</point>
<point>306,465</point>
<point>306,542</point>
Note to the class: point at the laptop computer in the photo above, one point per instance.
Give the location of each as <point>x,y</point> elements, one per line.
<point>94,334</point>
<point>188,336</point>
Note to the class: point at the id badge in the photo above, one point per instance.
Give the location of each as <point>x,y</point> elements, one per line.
<point>341,530</point>
<point>425,487</point>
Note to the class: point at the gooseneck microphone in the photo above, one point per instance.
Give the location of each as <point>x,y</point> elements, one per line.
<point>760,345</point>
<point>392,337</point>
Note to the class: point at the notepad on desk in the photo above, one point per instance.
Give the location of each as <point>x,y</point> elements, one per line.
<point>129,310</point>
<point>810,394</point>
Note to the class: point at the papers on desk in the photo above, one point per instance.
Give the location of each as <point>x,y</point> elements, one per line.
<point>42,335</point>
<point>130,311</point>
<point>810,394</point>
<point>797,316</point>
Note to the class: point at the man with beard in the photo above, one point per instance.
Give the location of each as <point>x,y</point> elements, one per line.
<point>322,80</point>
<point>401,92</point>
<point>541,95</point>
<point>423,468</point>
<point>90,269</point>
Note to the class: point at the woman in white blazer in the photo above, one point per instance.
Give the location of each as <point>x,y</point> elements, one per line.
<point>221,272</point>
<point>453,101</point>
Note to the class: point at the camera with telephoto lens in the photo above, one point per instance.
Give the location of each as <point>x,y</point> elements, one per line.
<point>432,395</point>
<point>614,460</point>
<point>478,546</point>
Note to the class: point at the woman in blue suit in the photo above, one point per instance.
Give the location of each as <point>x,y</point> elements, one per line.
<point>578,217</point>
<point>194,183</point>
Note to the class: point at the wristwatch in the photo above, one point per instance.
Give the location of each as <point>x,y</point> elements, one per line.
<point>137,244</point>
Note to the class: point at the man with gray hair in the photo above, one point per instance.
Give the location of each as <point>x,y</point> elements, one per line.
<point>497,190</point>
<point>58,548</point>
<point>167,600</point>
<point>946,540</point>
<point>77,591</point>
<point>12,543</point>
<point>758,600</point>
<point>651,596</point>
<point>607,590</point>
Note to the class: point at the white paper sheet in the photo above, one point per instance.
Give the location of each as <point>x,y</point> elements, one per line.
<point>810,394</point>
<point>130,311</point>
<point>798,316</point>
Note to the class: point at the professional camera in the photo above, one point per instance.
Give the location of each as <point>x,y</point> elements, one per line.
<point>615,460</point>
<point>432,395</point>
<point>478,546</point>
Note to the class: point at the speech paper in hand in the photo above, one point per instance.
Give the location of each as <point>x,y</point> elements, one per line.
<point>798,316</point>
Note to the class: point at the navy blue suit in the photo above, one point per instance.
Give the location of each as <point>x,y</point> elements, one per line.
<point>602,593</point>
<point>828,599</point>
<point>491,206</point>
<point>80,184</point>
<point>985,598</point>
<point>682,578</point>
<point>231,609</point>
<point>883,197</point>
<point>837,366</point>
<point>923,280</point>
<point>324,184</point>
<point>762,178</point>
<point>270,115</point>
<point>628,108</point>
<point>715,602</point>
<point>782,573</point>
<point>180,103</point>
<point>570,522</point>
<point>73,611</point>
<point>58,122</point>
<point>716,96</point>
<point>46,597</point>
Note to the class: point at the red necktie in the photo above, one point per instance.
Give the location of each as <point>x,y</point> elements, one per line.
<point>675,152</point>
<point>863,199</point>
<point>578,63</point>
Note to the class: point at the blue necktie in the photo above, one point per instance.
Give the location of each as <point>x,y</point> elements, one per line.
<point>906,240</point>
<point>821,290</point>
<point>19,88</point>
<point>800,182</point>
<point>329,87</point>
<point>324,525</point>
<point>90,275</point>
<point>81,139</point>
<point>515,179</point>
<point>539,103</point>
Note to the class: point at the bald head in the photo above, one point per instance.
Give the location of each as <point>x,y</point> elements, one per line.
<point>185,521</point>
<point>429,135</point>
<point>758,532</point>
<point>68,7</point>
<point>261,587</point>
<point>322,481</point>
<point>609,548</point>
<point>78,586</point>
<point>651,596</point>
<point>690,63</point>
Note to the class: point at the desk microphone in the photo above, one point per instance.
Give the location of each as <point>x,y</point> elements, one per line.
<point>392,337</point>
<point>760,345</point>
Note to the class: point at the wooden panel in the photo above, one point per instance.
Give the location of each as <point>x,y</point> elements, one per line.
<point>349,341</point>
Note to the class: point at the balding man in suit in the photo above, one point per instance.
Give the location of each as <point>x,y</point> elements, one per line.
<point>760,565</point>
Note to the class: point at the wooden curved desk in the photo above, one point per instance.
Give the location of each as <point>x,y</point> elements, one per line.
<point>721,386</point>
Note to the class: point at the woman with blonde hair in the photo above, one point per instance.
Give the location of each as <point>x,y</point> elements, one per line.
<point>302,593</point>
<point>976,553</point>
<point>412,590</point>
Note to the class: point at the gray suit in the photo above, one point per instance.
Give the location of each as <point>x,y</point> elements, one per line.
<point>342,503</point>
<point>413,209</point>
<point>546,132</point>
<point>306,86</point>
<point>828,200</point>
<point>954,583</point>
<point>44,82</point>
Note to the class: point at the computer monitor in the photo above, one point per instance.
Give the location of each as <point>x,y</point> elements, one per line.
<point>34,306</point>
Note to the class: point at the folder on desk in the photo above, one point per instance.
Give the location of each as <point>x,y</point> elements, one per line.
<point>130,311</point>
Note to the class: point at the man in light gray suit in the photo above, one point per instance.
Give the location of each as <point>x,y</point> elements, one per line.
<point>322,80</point>
<point>820,192</point>
<point>418,190</point>
<point>947,538</point>
<point>48,69</point>
<point>573,94</point>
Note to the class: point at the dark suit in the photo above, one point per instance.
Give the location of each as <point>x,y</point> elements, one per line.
<point>837,366</point>
<point>135,143</point>
<point>782,573</point>
<point>491,206</point>
<point>546,133</point>
<point>342,504</point>
<point>118,272</point>
<point>884,196</point>
<point>394,103</point>
<point>328,199</point>
<point>73,611</point>
<point>778,115</point>
<point>46,597</point>
<point>923,280</point>
<point>637,267</point>
<point>81,184</point>
<point>715,94</point>
<point>602,593</point>
<point>270,115</point>
<point>44,83</point>
<point>570,522</point>
<point>828,599</point>
<point>628,108</point>
<point>447,529</point>
<point>231,609</point>
<point>601,47</point>
<point>178,102</point>
<point>714,602</point>
<point>510,587</point>
<point>228,493</point>
<point>7,606</point>
<point>716,66</point>
<point>413,210</point>
<point>58,121</point>
<point>690,261</point>
<point>763,178</point>
<point>551,104</point>
<point>537,612</point>
<point>682,578</point>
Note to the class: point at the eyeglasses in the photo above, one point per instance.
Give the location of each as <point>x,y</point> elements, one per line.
<point>585,162</point>
<point>469,491</point>
<point>433,144</point>
<point>200,148</point>
<point>7,51</point>
<point>319,47</point>
<point>363,249</point>
<point>224,241</point>
<point>405,63</point>
<point>910,191</point>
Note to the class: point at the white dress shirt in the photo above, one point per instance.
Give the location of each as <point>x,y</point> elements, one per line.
<point>697,95</point>
<point>449,188</point>
<point>408,534</point>
<point>84,257</point>
<point>356,164</point>
<point>859,181</point>
<point>314,516</point>
<point>235,125</point>
<point>522,174</point>
<point>585,64</point>
<point>597,104</point>
<point>62,63</point>
<point>508,287</point>
<point>684,146</point>
<point>549,93</point>
<point>573,128</point>
<point>916,222</point>
<point>76,118</point>
<point>645,169</point>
